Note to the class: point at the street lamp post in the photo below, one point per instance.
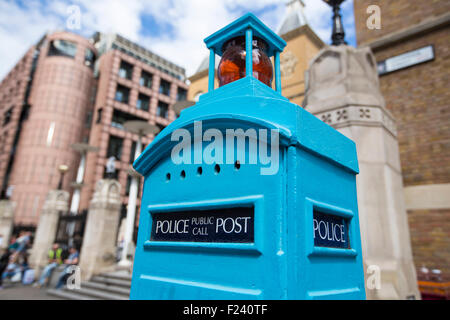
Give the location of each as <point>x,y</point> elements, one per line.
<point>83,148</point>
<point>140,128</point>
<point>62,170</point>
<point>338,33</point>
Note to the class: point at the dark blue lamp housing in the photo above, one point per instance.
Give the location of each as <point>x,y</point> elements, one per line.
<point>248,196</point>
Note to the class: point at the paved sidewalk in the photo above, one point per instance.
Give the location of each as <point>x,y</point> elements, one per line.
<point>21,292</point>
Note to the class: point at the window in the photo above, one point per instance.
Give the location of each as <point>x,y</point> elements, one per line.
<point>181,94</point>
<point>146,79</point>
<point>89,58</point>
<point>88,120</point>
<point>122,94</point>
<point>164,87</point>
<point>125,70</point>
<point>99,115</point>
<point>62,48</point>
<point>7,116</point>
<point>120,117</point>
<point>115,147</point>
<point>143,102</point>
<point>93,94</point>
<point>114,175</point>
<point>25,112</point>
<point>162,109</point>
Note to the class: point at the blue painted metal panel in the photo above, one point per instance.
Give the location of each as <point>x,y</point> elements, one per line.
<point>199,270</point>
<point>248,100</point>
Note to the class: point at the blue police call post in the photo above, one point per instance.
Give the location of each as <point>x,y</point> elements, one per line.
<point>247,195</point>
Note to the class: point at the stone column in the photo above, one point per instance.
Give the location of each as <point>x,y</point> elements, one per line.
<point>57,201</point>
<point>343,91</point>
<point>6,221</point>
<point>98,252</point>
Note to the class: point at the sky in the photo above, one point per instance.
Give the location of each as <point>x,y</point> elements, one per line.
<point>173,29</point>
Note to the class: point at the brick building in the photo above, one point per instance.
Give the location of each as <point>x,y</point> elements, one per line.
<point>69,89</point>
<point>413,53</point>
<point>133,84</point>
<point>43,118</point>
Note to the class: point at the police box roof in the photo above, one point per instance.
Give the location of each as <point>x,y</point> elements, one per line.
<point>238,28</point>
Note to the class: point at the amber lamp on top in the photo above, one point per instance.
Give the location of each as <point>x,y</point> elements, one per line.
<point>232,64</point>
<point>246,47</point>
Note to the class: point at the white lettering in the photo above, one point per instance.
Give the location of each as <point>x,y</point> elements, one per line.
<point>374,20</point>
<point>214,151</point>
<point>158,225</point>
<point>184,146</point>
<point>320,233</point>
<point>219,222</point>
<point>315,227</point>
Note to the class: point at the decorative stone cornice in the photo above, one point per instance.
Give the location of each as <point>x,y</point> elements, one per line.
<point>57,200</point>
<point>342,89</point>
<point>106,195</point>
<point>359,115</point>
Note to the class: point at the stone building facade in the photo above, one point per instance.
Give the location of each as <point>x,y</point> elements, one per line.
<point>418,97</point>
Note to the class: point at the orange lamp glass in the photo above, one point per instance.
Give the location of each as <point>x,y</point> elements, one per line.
<point>232,64</point>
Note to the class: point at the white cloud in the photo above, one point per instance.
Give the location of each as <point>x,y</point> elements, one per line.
<point>117,16</point>
<point>190,22</point>
<point>19,29</point>
<point>194,20</point>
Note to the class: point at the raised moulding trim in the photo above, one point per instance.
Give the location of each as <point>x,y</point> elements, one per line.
<point>364,115</point>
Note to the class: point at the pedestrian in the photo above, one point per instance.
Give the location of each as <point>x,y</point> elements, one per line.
<point>24,241</point>
<point>54,260</point>
<point>13,244</point>
<point>21,245</point>
<point>4,261</point>
<point>69,262</point>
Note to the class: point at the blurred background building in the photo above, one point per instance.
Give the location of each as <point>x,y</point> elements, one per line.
<point>412,50</point>
<point>68,89</point>
<point>45,101</point>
